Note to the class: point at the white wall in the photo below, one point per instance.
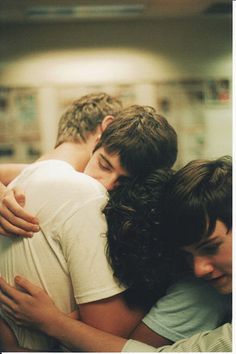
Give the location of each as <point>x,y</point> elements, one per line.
<point>42,54</point>
<point>49,56</point>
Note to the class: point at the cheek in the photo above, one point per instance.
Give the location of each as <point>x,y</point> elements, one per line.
<point>224,261</point>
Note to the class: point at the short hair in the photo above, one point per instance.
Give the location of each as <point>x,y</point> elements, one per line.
<point>197,196</point>
<point>84,115</point>
<point>143,139</point>
<point>135,249</point>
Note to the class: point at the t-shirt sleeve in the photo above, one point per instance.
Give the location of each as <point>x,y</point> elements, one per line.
<point>190,306</point>
<point>218,340</point>
<point>83,241</point>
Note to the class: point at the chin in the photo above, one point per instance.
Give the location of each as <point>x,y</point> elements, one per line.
<point>226,289</point>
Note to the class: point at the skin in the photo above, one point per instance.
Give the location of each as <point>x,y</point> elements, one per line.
<point>212,258</point>
<point>25,311</point>
<point>106,169</point>
<point>9,171</point>
<point>34,308</point>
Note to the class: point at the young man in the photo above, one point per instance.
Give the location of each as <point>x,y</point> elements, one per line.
<point>82,123</point>
<point>198,220</point>
<point>68,256</point>
<point>198,207</point>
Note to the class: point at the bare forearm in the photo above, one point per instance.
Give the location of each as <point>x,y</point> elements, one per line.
<point>78,335</point>
<point>9,171</point>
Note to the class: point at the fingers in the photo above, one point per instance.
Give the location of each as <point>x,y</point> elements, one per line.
<point>7,229</point>
<point>12,315</point>
<point>14,220</point>
<point>7,234</point>
<point>9,203</point>
<point>7,304</point>
<point>28,286</point>
<point>20,196</point>
<point>8,294</point>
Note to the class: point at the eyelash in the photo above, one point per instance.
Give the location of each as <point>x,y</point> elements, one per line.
<point>213,249</point>
<point>103,166</point>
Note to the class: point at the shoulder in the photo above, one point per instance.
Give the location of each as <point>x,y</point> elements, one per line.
<point>189,306</point>
<point>55,188</point>
<point>59,176</point>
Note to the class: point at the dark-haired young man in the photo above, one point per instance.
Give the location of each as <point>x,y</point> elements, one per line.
<point>203,193</point>
<point>199,205</point>
<point>198,220</point>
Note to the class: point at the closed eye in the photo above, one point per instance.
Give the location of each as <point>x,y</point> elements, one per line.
<point>210,249</point>
<point>104,165</point>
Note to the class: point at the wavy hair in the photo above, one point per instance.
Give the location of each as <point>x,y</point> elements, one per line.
<point>143,139</point>
<point>197,196</point>
<point>84,115</point>
<point>136,249</point>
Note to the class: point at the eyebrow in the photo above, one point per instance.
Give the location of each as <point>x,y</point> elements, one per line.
<point>206,242</point>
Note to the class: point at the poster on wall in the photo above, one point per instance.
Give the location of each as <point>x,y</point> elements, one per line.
<point>19,126</point>
<point>217,91</point>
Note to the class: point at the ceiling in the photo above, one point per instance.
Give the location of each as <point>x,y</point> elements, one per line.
<point>24,11</point>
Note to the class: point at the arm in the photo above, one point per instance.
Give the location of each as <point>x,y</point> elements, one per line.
<point>43,314</point>
<point>145,334</point>
<point>36,309</point>
<point>95,289</point>
<point>118,318</point>
<point>172,316</point>
<point>9,171</point>
<point>217,340</point>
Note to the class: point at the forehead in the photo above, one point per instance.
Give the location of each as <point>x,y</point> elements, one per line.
<point>219,232</point>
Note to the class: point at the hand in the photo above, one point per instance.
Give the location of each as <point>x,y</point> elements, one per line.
<point>14,220</point>
<point>30,307</point>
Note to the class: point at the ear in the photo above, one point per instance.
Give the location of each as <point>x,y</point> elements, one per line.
<point>106,121</point>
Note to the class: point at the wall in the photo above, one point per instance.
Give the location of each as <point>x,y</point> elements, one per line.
<point>120,51</point>
<point>51,56</point>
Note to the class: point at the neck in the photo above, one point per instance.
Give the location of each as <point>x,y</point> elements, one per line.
<point>76,154</point>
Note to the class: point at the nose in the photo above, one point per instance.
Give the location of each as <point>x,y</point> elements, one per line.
<point>202,266</point>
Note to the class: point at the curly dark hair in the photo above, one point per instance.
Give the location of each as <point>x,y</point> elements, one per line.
<point>137,252</point>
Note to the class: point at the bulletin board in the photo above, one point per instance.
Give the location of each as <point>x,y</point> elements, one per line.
<point>19,125</point>
<point>189,105</point>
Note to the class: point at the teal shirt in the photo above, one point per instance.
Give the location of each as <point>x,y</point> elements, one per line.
<point>190,306</point>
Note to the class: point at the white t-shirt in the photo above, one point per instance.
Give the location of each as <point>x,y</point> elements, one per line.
<point>67,257</point>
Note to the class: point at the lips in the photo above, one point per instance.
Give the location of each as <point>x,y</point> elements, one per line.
<point>217,281</point>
